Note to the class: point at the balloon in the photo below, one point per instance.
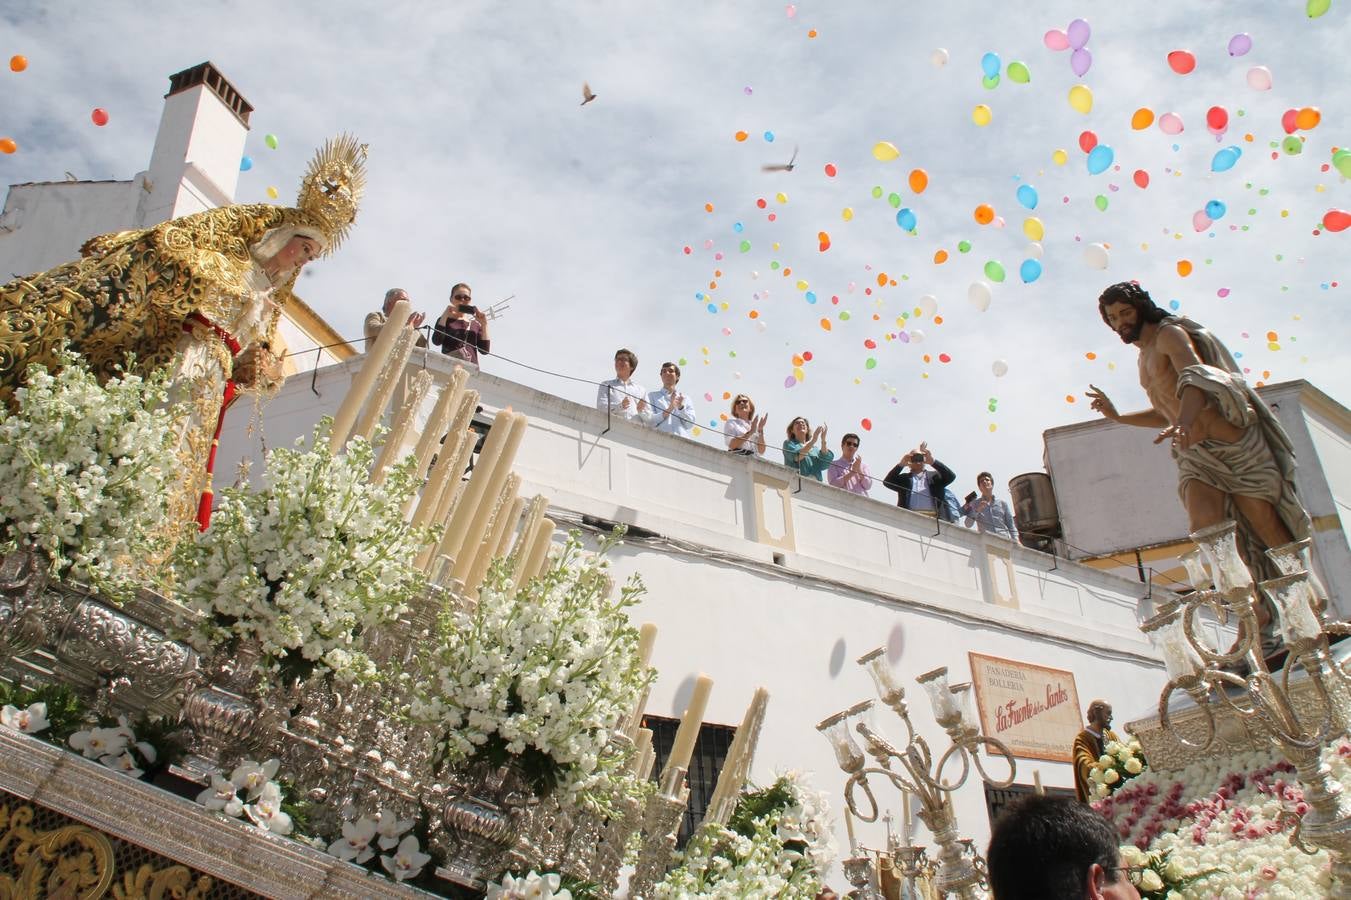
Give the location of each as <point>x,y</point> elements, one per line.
<point>1217,120</point>
<point>1100,202</point>
<point>981,115</point>
<point>741,135</point>
<point>271,141</point>
<point>1060,157</point>
<point>1292,145</point>
<point>1078,33</point>
<point>1259,78</point>
<point>1030,271</point>
<point>989,64</point>
<point>963,246</point>
<point>1337,220</point>
<point>17,63</point>
<point>1081,99</point>
<point>1055,39</point>
<point>916,336</point>
<point>1034,250</point>
<point>1201,221</point>
<point>885,151</point>
<point>1096,256</point>
<point>1170,123</point>
<point>979,295</point>
<point>999,368</point>
<point>1027,196</point>
<point>866,424</point>
<point>1143,118</point>
<point>1181,61</point>
<point>1289,120</point>
<point>1033,228</point>
<point>994,271</point>
<point>1308,118</point>
<point>1087,141</point>
<point>1018,73</point>
<point>1342,161</point>
<point>1100,159</point>
<point>939,58</point>
<point>1216,209</point>
<point>1224,159</point>
<point>1080,62</point>
<point>894,199</point>
<point>990,82</point>
<point>7,145</point>
<point>984,215</point>
<point>919,180</point>
<point>1184,267</point>
<point>928,304</point>
<point>272,192</point>
<point>906,219</point>
<point>99,116</point>
<point>245,163</point>
<point>789,381</point>
<point>1315,8</point>
<point>744,247</point>
<point>1141,178</point>
<point>847,213</point>
<point>1240,44</point>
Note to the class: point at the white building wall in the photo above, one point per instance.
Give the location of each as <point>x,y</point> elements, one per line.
<point>195,162</point>
<point>43,225</point>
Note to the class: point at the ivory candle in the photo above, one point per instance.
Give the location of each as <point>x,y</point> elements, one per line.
<point>457,526</point>
<point>439,422</point>
<point>1036,782</point>
<point>539,548</point>
<point>647,638</point>
<point>361,384</point>
<point>907,823</point>
<point>642,746</point>
<point>479,513</point>
<point>513,516</point>
<point>484,550</point>
<point>455,484</point>
<point>444,485</point>
<point>520,551</point>
<point>398,431</point>
<point>688,732</point>
<point>736,766</point>
<point>386,383</point>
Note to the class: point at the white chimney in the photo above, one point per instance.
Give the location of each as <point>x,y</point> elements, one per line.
<point>195,163</point>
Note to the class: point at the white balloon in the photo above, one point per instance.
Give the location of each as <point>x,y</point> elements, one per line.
<point>939,58</point>
<point>929,304</point>
<point>979,295</point>
<point>1034,250</point>
<point>1259,78</point>
<point>1096,255</point>
<point>916,336</point>
<point>755,275</point>
<point>1000,368</point>
<point>760,325</point>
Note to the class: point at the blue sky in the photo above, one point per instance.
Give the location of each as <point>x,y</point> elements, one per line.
<point>484,169</point>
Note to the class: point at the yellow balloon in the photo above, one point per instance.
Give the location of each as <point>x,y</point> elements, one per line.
<point>272,192</point>
<point>885,151</point>
<point>799,374</point>
<point>847,213</point>
<point>1033,228</point>
<point>1060,157</point>
<point>981,115</point>
<point>1081,98</point>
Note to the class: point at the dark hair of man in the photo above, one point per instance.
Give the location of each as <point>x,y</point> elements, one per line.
<point>628,354</point>
<point>984,475</point>
<point>845,439</point>
<point>1042,849</point>
<point>458,286</point>
<point>673,366</point>
<point>1136,296</point>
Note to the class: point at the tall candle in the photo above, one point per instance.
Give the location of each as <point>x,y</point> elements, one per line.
<point>736,767</point>
<point>478,513</point>
<point>1036,782</point>
<point>460,462</point>
<point>484,548</point>
<point>907,824</point>
<point>520,551</point>
<point>642,746</point>
<point>647,638</point>
<point>398,431</point>
<point>439,421</point>
<point>849,827</point>
<point>447,483</point>
<point>361,384</point>
<point>386,383</point>
<point>457,527</point>
<point>690,723</point>
<point>513,516</point>
<point>539,548</point>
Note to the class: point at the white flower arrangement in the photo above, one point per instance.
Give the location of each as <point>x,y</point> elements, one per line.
<point>115,747</point>
<point>529,887</point>
<point>777,843</point>
<point>261,801</point>
<point>308,562</point>
<point>1120,762</point>
<point>361,837</point>
<point>30,721</point>
<point>537,677</point>
<point>88,470</point>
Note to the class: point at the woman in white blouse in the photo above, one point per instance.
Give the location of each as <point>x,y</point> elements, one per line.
<point>744,430</point>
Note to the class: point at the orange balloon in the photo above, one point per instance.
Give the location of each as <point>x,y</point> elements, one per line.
<point>18,63</point>
<point>1184,267</point>
<point>1143,118</point>
<point>7,145</point>
<point>919,180</point>
<point>940,257</point>
<point>825,323</point>
<point>741,135</point>
<point>708,207</point>
<point>1307,118</point>
<point>984,214</point>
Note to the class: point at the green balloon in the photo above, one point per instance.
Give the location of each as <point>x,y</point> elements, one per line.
<point>774,264</point>
<point>1100,202</point>
<point>844,315</point>
<point>1018,73</point>
<point>1292,145</point>
<point>745,246</point>
<point>895,200</point>
<point>271,141</point>
<point>994,271</point>
<point>870,363</point>
<point>990,82</point>
<point>877,192</point>
<point>964,246</point>
<point>1315,8</point>
<point>1341,160</point>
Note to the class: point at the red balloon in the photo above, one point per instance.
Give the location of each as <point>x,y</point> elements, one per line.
<point>1337,220</point>
<point>1141,178</point>
<point>1087,141</point>
<point>1217,119</point>
<point>1181,61</point>
<point>867,424</point>
<point>1289,119</point>
<point>100,116</point>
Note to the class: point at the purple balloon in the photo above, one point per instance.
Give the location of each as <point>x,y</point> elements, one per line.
<point>1080,60</point>
<point>1078,33</point>
<point>1240,44</point>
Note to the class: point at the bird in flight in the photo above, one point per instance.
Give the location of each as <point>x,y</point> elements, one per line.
<point>781,167</point>
<point>587,96</point>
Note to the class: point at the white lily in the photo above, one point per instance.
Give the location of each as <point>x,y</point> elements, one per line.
<point>29,721</point>
<point>99,742</point>
<point>407,861</point>
<point>266,812</point>
<point>533,886</point>
<point>355,843</point>
<point>222,796</point>
<point>390,828</point>
<point>124,763</point>
<point>251,777</point>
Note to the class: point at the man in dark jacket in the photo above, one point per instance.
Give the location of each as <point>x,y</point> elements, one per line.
<point>919,487</point>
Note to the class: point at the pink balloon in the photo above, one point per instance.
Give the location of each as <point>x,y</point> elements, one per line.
<point>1170,123</point>
<point>1259,78</point>
<point>1078,33</point>
<point>1080,60</point>
<point>1056,39</point>
<point>1201,221</point>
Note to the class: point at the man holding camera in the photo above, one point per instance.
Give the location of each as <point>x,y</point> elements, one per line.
<point>918,487</point>
<point>462,330</point>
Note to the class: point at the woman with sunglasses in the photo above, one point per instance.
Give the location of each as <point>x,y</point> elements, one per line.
<point>744,430</point>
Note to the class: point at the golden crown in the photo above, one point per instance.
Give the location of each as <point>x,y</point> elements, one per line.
<point>332,187</point>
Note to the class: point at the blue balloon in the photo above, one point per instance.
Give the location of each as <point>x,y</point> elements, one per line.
<point>738,227</point>
<point>1216,210</point>
<point>810,296</point>
<point>1224,159</point>
<point>1027,196</point>
<point>245,163</point>
<point>1100,159</point>
<point>989,64</point>
<point>1030,270</point>
<point>906,219</point>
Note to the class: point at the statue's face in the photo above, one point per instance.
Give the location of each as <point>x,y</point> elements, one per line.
<point>296,252</point>
<point>1125,320</point>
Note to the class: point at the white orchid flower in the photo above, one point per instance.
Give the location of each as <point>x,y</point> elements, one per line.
<point>124,763</point>
<point>355,843</point>
<point>29,721</point>
<point>99,742</point>
<point>266,812</point>
<point>390,828</point>
<point>407,861</point>
<point>222,796</point>
<point>252,777</point>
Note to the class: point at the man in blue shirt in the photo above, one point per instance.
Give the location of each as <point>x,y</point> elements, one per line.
<point>668,409</point>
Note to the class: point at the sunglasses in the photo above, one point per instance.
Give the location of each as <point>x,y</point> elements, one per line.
<point>851,443</point>
<point>460,297</point>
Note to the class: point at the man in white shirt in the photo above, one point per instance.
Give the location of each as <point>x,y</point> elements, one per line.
<point>668,409</point>
<point>621,395</point>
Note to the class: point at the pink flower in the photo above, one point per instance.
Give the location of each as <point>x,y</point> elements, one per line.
<point>1268,873</point>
